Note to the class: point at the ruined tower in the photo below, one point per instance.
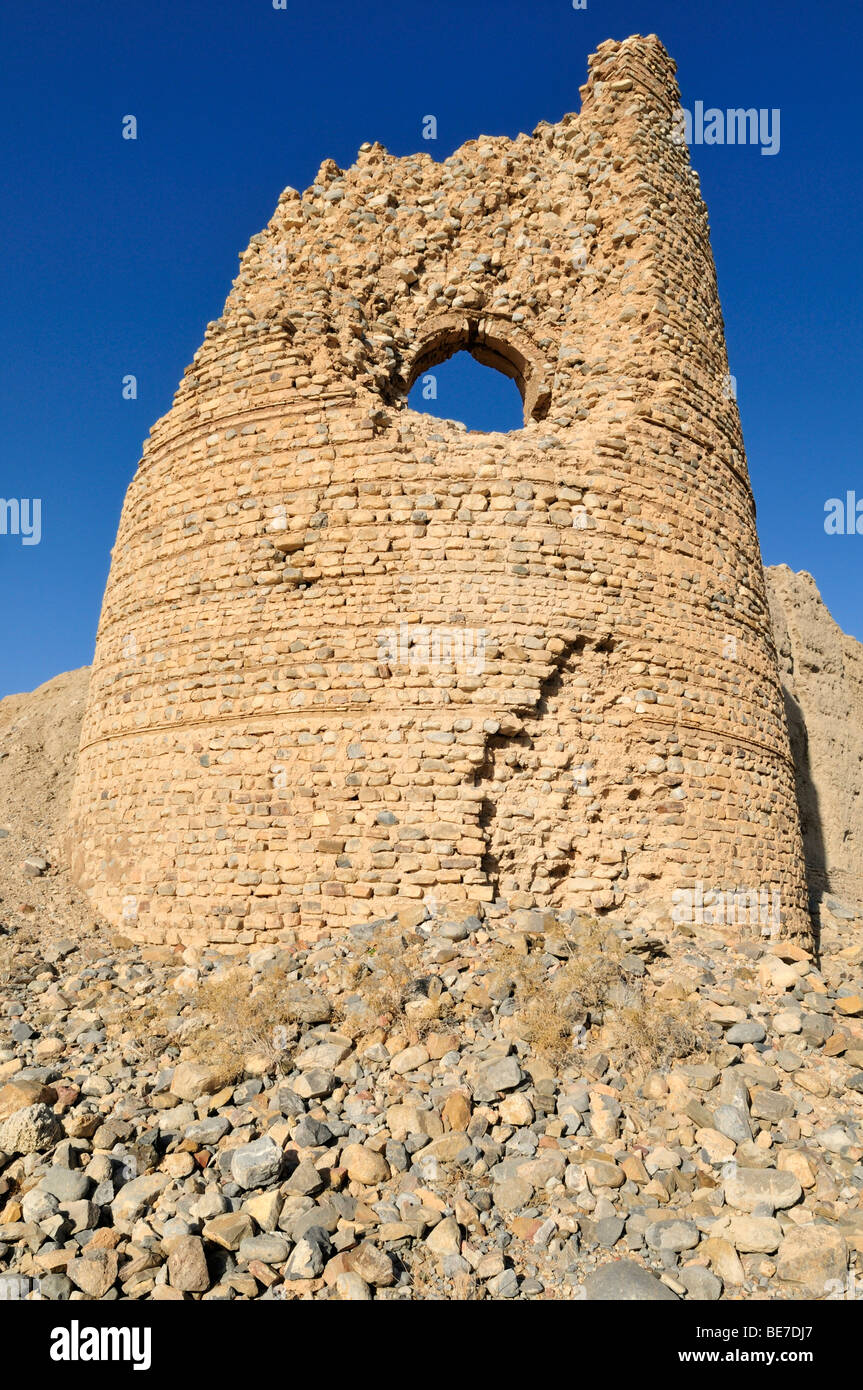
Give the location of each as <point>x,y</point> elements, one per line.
<point>352,657</point>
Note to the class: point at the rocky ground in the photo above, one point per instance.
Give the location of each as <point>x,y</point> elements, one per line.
<point>435,1109</point>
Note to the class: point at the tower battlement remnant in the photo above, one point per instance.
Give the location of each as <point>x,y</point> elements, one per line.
<point>283,732</point>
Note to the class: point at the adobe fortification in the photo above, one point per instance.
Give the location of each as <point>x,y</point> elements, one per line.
<point>352,658</point>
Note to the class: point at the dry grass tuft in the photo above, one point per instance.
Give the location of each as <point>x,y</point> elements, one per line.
<point>223,1022</point>
<point>649,1034</point>
<point>555,1008</point>
<point>232,1022</point>
<point>386,976</point>
<point>592,987</point>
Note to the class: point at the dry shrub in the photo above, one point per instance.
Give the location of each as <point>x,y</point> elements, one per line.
<point>389,967</point>
<point>232,1021</point>
<point>553,1009</point>
<point>549,1028</point>
<point>223,1022</point>
<point>639,1031</point>
<point>386,980</point>
<point>592,970</point>
<point>650,1034</point>
<point>145,1029</point>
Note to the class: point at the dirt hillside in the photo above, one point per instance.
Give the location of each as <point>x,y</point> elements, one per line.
<point>39,735</point>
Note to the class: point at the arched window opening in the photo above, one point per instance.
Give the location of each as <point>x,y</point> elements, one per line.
<point>460,388</point>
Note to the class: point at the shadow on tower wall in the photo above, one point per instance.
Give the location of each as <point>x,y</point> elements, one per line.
<point>817,877</point>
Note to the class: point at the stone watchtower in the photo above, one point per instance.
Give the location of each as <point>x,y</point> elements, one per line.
<point>352,657</point>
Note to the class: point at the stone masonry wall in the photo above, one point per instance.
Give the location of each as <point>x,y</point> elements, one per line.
<point>289,725</point>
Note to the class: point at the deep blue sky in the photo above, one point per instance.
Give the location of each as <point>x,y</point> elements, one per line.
<point>117,253</point>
